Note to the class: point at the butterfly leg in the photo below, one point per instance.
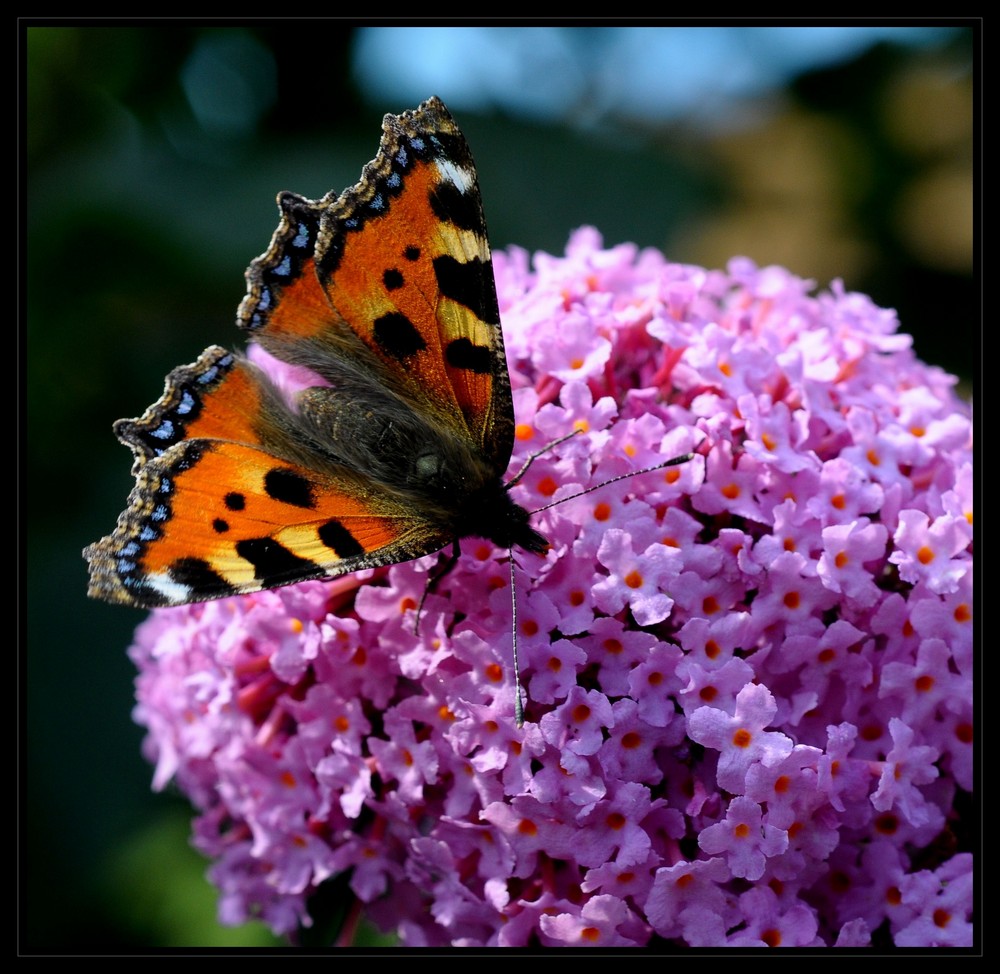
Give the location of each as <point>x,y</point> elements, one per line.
<point>433,580</point>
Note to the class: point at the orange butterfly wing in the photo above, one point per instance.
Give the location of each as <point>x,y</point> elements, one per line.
<point>386,292</point>
<point>223,503</point>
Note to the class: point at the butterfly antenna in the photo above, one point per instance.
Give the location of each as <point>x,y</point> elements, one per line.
<point>518,707</point>
<point>673,462</point>
<point>534,456</point>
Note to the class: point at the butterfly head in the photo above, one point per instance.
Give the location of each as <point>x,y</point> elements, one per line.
<point>491,513</point>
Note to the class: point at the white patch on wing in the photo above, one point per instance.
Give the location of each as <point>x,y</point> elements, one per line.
<point>463,179</point>
<point>173,592</point>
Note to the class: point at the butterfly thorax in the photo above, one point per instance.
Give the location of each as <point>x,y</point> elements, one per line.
<point>468,494</point>
<point>490,513</point>
<point>458,488</point>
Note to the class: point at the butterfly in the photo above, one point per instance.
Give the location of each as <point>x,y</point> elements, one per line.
<point>399,446</point>
<point>386,293</point>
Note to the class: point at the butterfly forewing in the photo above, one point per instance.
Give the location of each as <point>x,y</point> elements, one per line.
<point>403,261</point>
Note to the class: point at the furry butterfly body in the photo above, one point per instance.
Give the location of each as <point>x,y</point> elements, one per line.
<point>385,294</point>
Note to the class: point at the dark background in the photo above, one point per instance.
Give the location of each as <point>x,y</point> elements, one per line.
<point>151,157</point>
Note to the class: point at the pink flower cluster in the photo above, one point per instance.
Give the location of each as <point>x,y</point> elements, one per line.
<point>748,677</point>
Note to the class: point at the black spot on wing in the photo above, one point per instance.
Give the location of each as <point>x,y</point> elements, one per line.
<point>462,354</point>
<point>397,336</point>
<point>199,577</point>
<point>469,283</point>
<point>339,540</point>
<point>288,487</point>
<point>235,501</point>
<point>462,210</point>
<point>220,526</point>
<point>392,279</point>
<point>273,562</point>
<point>412,253</point>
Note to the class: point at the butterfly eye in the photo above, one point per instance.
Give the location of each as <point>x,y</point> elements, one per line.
<point>427,467</point>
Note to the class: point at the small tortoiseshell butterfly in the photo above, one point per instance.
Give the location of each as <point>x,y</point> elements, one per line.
<point>386,292</point>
